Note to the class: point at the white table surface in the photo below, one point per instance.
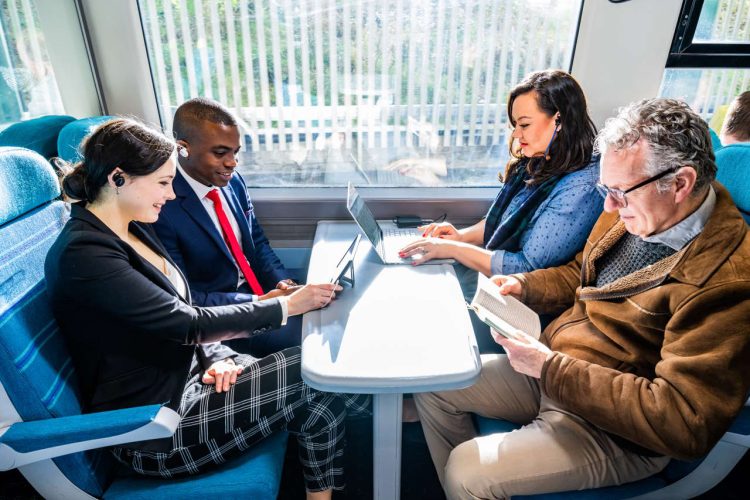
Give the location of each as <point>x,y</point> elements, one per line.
<point>400,329</point>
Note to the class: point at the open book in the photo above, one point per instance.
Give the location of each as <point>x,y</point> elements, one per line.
<point>504,313</point>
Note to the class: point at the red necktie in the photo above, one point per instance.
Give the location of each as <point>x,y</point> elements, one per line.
<point>233,244</point>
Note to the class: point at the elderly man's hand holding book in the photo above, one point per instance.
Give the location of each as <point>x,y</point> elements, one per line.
<point>513,325</point>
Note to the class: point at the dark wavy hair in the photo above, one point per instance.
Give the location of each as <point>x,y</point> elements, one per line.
<point>123,142</point>
<point>571,150</point>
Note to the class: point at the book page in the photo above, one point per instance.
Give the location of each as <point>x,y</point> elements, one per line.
<point>504,312</point>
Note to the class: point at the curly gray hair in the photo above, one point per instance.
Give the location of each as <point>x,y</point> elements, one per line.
<point>674,134</point>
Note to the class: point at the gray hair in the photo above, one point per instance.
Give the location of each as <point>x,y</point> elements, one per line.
<point>674,135</point>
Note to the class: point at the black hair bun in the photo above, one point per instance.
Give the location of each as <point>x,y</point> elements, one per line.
<point>74,183</point>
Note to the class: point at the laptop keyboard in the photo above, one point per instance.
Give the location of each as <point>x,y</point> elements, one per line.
<point>396,239</point>
<point>405,233</point>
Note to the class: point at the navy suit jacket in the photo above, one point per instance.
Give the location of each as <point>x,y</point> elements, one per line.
<point>199,250</point>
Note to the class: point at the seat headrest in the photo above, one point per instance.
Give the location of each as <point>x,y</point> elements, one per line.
<point>37,134</point>
<point>733,171</point>
<point>715,141</point>
<point>72,135</point>
<point>27,181</point>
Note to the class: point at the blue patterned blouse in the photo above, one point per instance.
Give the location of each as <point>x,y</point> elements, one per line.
<point>560,225</point>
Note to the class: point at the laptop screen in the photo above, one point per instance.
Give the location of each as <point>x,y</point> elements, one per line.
<point>363,216</point>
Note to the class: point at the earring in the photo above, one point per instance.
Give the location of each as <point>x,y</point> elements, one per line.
<point>119,181</point>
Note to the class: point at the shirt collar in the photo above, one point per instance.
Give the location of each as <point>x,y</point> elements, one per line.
<point>200,190</point>
<point>682,233</point>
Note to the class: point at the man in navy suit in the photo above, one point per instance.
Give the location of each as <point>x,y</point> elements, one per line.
<point>191,229</point>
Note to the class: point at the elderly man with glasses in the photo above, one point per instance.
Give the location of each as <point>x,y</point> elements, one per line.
<point>650,355</point>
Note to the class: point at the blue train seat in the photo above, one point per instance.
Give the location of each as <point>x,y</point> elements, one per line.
<point>38,134</point>
<point>733,162</point>
<point>42,431</point>
<point>715,141</point>
<point>72,134</point>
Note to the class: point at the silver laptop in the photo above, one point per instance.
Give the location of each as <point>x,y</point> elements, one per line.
<point>386,242</point>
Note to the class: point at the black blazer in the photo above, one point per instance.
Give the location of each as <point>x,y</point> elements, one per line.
<point>131,336</point>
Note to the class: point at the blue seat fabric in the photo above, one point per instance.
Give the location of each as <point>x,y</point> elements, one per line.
<point>35,367</point>
<point>18,174</point>
<point>38,134</point>
<point>72,135</point>
<point>255,474</point>
<point>36,370</point>
<point>715,141</point>
<point>733,163</point>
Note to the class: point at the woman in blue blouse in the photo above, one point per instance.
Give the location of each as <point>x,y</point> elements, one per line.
<point>548,202</point>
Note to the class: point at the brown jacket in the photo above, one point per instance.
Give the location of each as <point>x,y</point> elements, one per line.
<point>660,357</point>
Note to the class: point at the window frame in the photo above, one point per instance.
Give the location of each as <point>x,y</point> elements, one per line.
<point>687,53</point>
<point>603,62</point>
<point>279,209</point>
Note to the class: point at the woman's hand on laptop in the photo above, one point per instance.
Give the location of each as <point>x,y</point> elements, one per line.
<point>444,230</point>
<point>423,250</point>
<point>311,297</point>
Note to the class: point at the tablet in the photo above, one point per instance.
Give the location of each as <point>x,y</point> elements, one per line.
<point>346,262</point>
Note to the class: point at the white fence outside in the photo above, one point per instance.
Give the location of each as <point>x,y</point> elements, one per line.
<point>378,80</point>
<point>391,72</point>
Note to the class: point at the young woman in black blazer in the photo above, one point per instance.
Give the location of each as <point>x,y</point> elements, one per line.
<point>135,338</point>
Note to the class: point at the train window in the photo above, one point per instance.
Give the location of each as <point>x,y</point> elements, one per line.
<point>710,55</point>
<point>723,21</point>
<point>28,87</point>
<point>385,93</point>
<point>706,90</point>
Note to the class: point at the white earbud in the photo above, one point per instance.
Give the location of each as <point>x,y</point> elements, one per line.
<point>182,151</point>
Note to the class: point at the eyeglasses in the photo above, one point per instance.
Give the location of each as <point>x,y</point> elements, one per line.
<point>618,195</point>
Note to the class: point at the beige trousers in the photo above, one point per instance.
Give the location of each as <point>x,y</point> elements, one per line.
<point>555,450</point>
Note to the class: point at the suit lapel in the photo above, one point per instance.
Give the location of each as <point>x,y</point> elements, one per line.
<point>195,210</point>
<point>147,238</point>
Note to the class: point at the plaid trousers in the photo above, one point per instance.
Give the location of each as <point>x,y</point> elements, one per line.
<point>268,396</point>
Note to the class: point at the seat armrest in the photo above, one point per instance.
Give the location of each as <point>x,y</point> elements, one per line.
<point>27,442</point>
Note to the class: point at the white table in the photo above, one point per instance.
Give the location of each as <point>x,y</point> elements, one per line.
<point>400,329</point>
